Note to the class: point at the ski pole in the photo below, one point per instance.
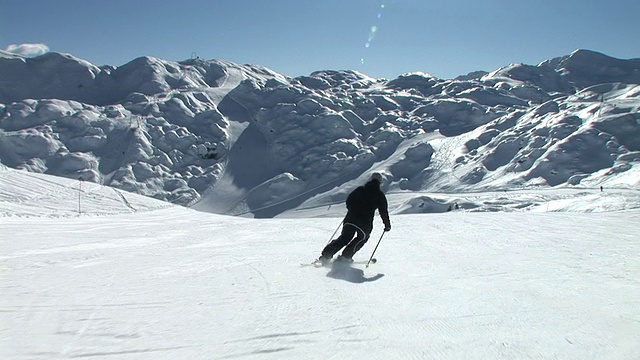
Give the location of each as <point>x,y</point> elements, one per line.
<point>374,250</point>
<point>335,232</point>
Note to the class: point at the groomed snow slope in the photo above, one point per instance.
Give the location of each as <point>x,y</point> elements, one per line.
<point>174,283</point>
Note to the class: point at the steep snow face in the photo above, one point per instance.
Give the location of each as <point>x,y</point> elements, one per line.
<point>52,75</point>
<point>243,139</point>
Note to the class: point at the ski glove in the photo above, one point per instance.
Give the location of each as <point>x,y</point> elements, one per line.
<point>387,228</point>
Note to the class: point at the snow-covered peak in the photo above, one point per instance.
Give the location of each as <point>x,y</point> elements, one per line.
<point>65,77</point>
<point>9,55</point>
<point>585,68</point>
<point>543,77</point>
<point>598,68</point>
<point>337,77</point>
<point>49,76</point>
<point>566,74</point>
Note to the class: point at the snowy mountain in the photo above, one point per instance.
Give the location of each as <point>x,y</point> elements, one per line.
<point>242,139</point>
<point>521,256</point>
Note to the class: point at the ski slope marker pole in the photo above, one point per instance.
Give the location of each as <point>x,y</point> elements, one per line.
<point>79,195</point>
<point>374,250</point>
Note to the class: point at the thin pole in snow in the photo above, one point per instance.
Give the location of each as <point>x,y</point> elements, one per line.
<point>80,195</point>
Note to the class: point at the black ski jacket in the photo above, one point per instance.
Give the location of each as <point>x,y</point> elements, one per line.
<point>362,204</point>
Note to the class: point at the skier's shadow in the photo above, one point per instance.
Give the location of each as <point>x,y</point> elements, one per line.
<point>348,273</point>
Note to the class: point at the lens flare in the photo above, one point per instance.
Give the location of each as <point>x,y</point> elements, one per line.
<point>380,13</point>
<point>372,35</point>
<point>373,30</point>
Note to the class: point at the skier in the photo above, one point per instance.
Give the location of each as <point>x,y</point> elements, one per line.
<point>361,206</point>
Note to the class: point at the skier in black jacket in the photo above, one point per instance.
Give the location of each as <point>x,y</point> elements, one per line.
<point>361,206</point>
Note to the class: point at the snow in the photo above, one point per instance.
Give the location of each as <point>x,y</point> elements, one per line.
<point>131,277</point>
<point>513,196</point>
<point>184,132</point>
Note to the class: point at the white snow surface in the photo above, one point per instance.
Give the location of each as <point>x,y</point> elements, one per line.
<point>92,273</point>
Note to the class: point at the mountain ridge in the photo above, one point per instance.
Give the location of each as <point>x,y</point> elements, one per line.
<point>244,139</point>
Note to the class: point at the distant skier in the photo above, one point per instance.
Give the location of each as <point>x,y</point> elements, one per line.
<point>361,206</point>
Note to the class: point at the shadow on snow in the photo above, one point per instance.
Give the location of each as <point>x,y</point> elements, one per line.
<point>348,273</point>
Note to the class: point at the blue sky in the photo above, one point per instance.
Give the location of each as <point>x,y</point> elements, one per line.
<point>296,37</point>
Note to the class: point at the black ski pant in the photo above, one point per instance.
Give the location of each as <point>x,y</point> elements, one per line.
<point>346,240</point>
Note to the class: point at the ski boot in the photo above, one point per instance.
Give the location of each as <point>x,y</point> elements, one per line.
<point>344,259</point>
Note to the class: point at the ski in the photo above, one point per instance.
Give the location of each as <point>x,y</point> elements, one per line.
<point>318,264</point>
